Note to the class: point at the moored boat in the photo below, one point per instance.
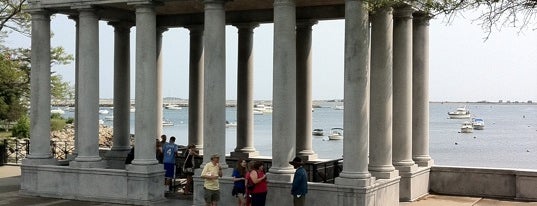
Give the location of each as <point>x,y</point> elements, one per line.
<point>336,133</point>
<point>478,124</point>
<point>459,113</point>
<point>318,132</point>
<point>467,127</point>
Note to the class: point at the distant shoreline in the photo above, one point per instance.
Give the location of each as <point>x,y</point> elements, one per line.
<point>233,103</point>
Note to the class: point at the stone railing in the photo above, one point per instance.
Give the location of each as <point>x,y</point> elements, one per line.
<point>513,184</point>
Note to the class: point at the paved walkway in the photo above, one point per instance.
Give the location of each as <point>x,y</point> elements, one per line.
<point>10,181</point>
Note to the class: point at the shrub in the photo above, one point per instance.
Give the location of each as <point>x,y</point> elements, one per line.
<point>70,120</point>
<point>22,128</point>
<point>57,124</point>
<point>56,116</point>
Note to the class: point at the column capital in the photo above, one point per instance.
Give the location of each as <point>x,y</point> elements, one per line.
<point>422,17</point>
<point>308,23</point>
<point>121,25</point>
<point>195,28</point>
<point>249,26</point>
<point>403,11</point>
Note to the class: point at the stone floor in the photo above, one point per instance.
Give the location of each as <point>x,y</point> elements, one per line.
<point>10,180</point>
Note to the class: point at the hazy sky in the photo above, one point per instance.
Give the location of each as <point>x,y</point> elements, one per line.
<point>463,67</point>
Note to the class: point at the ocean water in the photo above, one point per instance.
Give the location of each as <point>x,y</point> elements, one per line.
<point>509,139</point>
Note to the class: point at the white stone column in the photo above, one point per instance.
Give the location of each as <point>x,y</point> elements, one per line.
<point>284,91</point>
<point>420,90</point>
<point>121,130</point>
<point>402,90</point>
<point>146,125</point>
<point>245,101</point>
<point>303,94</point>
<point>88,116</point>
<point>214,107</point>
<point>380,144</point>
<point>195,89</point>
<point>356,95</point>
<point>160,115</point>
<point>40,90</point>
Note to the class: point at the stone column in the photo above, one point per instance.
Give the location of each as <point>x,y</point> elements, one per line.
<point>195,93</point>
<point>40,90</point>
<point>214,107</point>
<point>245,101</point>
<point>160,115</point>
<point>284,91</point>
<point>77,79</point>
<point>420,90</point>
<point>402,90</point>
<point>146,86</point>
<point>356,95</point>
<point>303,94</point>
<point>122,95</point>
<point>88,116</point>
<point>380,145</point>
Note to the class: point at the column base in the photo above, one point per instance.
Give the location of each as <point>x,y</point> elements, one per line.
<point>423,161</point>
<point>116,158</point>
<point>280,174</point>
<point>355,182</point>
<point>385,174</point>
<point>414,183</point>
<point>308,157</point>
<point>242,154</point>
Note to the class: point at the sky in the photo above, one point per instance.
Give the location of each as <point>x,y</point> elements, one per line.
<point>463,66</point>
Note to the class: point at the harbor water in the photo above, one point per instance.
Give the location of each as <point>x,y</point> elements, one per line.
<point>509,139</point>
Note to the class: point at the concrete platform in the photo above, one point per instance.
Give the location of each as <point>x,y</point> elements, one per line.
<point>10,185</point>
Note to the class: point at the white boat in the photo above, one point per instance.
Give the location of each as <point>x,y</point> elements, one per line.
<point>173,107</point>
<point>478,124</point>
<point>101,121</point>
<point>167,123</point>
<point>231,124</point>
<point>318,132</point>
<point>103,111</point>
<point>262,109</point>
<point>57,111</point>
<point>336,133</point>
<point>459,113</point>
<point>467,127</point>
<point>132,109</point>
<point>339,107</point>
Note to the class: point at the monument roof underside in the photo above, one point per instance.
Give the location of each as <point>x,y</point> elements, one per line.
<point>190,12</point>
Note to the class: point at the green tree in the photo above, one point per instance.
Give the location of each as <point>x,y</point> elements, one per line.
<point>15,63</point>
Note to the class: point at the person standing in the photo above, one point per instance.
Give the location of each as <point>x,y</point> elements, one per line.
<point>188,168</point>
<point>239,183</point>
<point>169,153</point>
<point>259,191</point>
<point>299,189</point>
<point>211,173</point>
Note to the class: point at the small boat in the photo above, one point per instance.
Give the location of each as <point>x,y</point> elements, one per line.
<point>167,123</point>
<point>173,107</point>
<point>231,124</point>
<point>467,127</point>
<point>318,132</point>
<point>336,133</point>
<point>103,111</point>
<point>459,113</point>
<point>101,121</point>
<point>57,111</point>
<point>339,107</point>
<point>132,109</point>
<point>262,109</point>
<point>478,124</point>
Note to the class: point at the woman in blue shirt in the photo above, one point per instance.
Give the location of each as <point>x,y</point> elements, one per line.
<point>239,185</point>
